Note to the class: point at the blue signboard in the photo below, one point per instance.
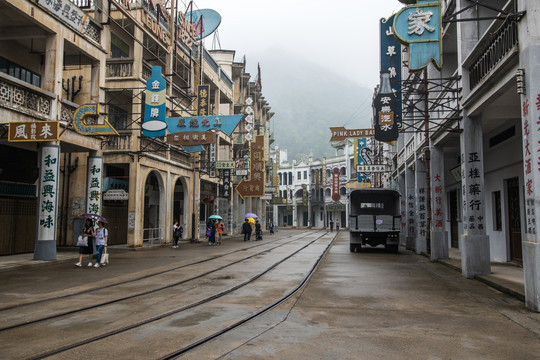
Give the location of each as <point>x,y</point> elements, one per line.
<point>154,124</point>
<point>225,123</point>
<point>419,26</point>
<point>359,145</point>
<point>391,61</point>
<point>205,22</point>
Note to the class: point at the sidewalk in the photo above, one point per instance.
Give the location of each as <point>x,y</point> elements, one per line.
<point>505,277</point>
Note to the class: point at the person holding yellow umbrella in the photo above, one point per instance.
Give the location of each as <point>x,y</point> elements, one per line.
<point>246,229</point>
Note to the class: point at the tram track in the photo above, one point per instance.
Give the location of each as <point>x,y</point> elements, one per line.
<point>103,287</point>
<point>149,321</point>
<point>143,293</point>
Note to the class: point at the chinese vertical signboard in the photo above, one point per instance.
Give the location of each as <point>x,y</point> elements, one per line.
<point>154,124</point>
<point>48,193</point>
<point>359,145</point>
<point>255,185</point>
<point>391,61</point>
<point>385,102</point>
<point>438,213</point>
<point>203,100</point>
<point>250,116</point>
<point>419,26</point>
<point>33,131</point>
<point>212,155</point>
<point>94,181</point>
<point>225,190</point>
<point>531,158</point>
<point>472,192</point>
<point>335,185</point>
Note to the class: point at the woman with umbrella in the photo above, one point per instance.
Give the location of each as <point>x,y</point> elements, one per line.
<point>219,228</point>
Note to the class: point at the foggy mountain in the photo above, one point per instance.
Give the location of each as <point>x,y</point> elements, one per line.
<point>307,99</point>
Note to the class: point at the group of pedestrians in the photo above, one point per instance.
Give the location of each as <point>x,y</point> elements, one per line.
<point>247,229</point>
<point>214,228</point>
<point>100,236</point>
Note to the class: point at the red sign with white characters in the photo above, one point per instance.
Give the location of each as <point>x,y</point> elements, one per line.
<point>335,185</point>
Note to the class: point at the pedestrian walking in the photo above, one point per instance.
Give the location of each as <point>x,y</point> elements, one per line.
<point>102,237</point>
<point>258,230</point>
<point>337,225</point>
<point>211,232</point>
<point>246,230</point>
<point>271,228</point>
<point>331,226</point>
<point>219,230</point>
<point>177,234</point>
<point>87,231</point>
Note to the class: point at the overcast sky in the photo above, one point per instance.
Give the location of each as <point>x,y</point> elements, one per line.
<point>338,34</point>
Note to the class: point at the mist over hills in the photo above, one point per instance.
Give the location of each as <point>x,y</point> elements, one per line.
<point>307,99</point>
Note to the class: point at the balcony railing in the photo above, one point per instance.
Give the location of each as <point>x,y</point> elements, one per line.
<point>19,95</point>
<point>119,68</point>
<point>120,143</point>
<point>502,43</point>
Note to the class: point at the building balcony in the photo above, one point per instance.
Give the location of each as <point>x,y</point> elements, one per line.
<point>23,97</point>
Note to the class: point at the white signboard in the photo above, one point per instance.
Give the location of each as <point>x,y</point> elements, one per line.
<point>48,193</point>
<point>94,182</point>
<point>372,168</point>
<point>115,194</point>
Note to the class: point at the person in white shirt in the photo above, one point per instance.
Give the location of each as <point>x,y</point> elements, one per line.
<point>102,236</point>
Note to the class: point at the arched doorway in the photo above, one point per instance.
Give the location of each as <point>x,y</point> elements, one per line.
<point>153,218</point>
<point>180,203</point>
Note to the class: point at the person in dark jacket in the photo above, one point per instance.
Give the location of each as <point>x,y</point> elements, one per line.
<point>246,230</point>
<point>258,230</point>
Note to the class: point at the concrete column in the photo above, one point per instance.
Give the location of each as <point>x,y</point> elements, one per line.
<point>135,205</point>
<point>421,206</point>
<point>52,74</point>
<point>403,205</point>
<point>529,38</point>
<point>410,240</point>
<point>295,212</point>
<point>47,200</point>
<point>475,254</point>
<point>137,52</point>
<point>439,237</point>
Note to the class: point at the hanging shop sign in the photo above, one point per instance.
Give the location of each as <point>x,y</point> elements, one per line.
<point>160,31</point>
<point>203,100</point>
<point>67,12</point>
<point>212,153</point>
<point>192,138</point>
<point>225,123</point>
<point>33,131</point>
<point>94,182</point>
<point>304,195</point>
<point>154,124</point>
<point>390,56</point>
<point>240,167</point>
<point>225,189</point>
<point>115,194</point>
<point>384,104</point>
<point>48,193</point>
<point>255,185</point>
<point>335,184</point>
<point>84,127</point>
<point>339,133</point>
<point>372,168</point>
<point>225,164</point>
<point>359,146</point>
<point>205,22</point>
<point>419,27</point>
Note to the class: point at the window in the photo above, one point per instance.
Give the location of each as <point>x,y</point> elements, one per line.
<point>497,217</point>
<point>299,175</point>
<point>305,175</point>
<point>117,117</point>
<point>119,49</point>
<point>19,72</point>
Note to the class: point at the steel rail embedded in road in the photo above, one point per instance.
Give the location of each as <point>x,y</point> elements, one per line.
<point>147,292</point>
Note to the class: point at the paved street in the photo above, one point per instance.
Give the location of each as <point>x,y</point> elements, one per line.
<point>367,305</point>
